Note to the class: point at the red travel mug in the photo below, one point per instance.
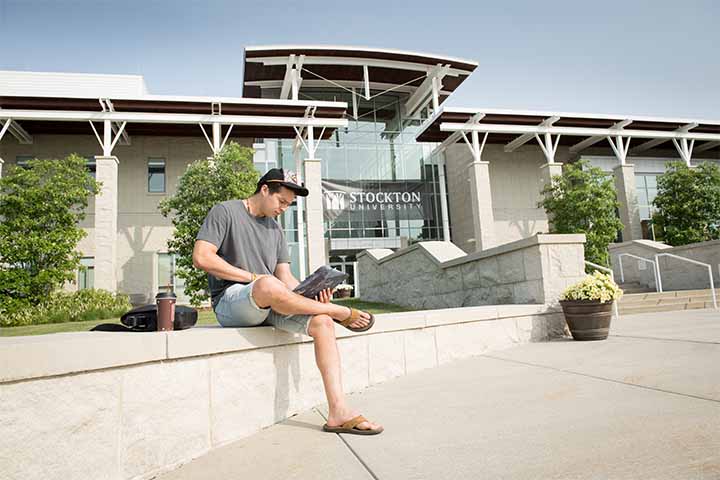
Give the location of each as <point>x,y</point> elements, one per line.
<point>165,311</point>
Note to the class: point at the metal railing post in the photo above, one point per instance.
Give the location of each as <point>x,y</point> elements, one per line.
<point>656,271</point>
<point>612,277</point>
<point>712,283</point>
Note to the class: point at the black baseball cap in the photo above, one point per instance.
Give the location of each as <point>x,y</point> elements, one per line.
<point>286,179</point>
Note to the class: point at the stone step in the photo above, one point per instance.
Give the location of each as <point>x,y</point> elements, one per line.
<point>672,294</point>
<point>630,310</point>
<point>664,300</point>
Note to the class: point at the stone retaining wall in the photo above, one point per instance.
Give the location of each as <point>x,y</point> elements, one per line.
<point>675,274</point>
<point>95,405</point>
<point>440,275</point>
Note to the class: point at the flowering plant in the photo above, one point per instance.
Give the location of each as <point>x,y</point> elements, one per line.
<point>596,286</point>
<point>344,286</point>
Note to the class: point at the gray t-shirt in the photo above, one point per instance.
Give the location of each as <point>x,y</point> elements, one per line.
<point>254,244</point>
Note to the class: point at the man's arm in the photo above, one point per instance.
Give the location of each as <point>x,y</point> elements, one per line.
<point>283,272</point>
<point>205,257</point>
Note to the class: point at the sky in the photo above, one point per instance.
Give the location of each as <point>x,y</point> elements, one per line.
<point>620,57</point>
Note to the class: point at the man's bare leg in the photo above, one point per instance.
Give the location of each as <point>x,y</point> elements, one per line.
<point>327,357</point>
<point>269,291</point>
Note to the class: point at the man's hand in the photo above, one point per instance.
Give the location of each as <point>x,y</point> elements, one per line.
<point>325,296</point>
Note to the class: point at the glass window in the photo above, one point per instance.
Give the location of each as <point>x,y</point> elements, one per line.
<point>167,279</point>
<point>86,274</point>
<point>156,175</point>
<point>91,166</point>
<point>22,160</point>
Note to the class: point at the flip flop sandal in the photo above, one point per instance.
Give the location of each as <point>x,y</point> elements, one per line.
<point>355,315</point>
<point>351,427</point>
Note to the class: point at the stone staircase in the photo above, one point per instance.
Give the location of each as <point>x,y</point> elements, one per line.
<point>640,299</point>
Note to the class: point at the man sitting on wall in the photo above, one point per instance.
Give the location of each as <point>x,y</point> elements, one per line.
<point>243,249</point>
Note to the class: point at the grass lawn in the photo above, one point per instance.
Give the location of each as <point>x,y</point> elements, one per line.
<point>204,318</point>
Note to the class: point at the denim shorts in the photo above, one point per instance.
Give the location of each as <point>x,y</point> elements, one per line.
<point>237,308</point>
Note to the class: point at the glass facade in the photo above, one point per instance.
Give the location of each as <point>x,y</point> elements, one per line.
<point>646,189</point>
<point>381,188</point>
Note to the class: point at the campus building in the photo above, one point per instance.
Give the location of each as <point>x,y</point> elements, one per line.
<point>386,162</point>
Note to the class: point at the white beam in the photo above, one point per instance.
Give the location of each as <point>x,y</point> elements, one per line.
<point>654,143</point>
<point>702,148</point>
<point>318,60</point>
<point>620,146</point>
<point>107,106</point>
<point>684,148</point>
<point>18,132</point>
<point>575,131</point>
<point>171,118</point>
<point>427,90</point>
<point>456,136</point>
<point>287,80</point>
<point>366,80</point>
<point>523,139</point>
<point>4,129</point>
<point>593,140</point>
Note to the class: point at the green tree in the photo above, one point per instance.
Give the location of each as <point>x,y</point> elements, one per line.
<point>688,203</point>
<point>583,200</point>
<point>229,175</point>
<point>40,208</point>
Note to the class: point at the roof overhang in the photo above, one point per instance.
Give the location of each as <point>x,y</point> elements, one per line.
<point>268,67</point>
<point>576,130</point>
<point>173,116</point>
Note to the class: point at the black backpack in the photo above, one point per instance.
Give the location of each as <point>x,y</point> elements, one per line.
<point>144,319</point>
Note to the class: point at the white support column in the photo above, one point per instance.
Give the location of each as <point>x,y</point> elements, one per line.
<point>685,149</point>
<point>620,146</point>
<point>216,138</point>
<point>314,204</point>
<point>314,212</point>
<point>626,193</point>
<point>106,209</point>
<point>3,129</point>
<point>480,194</point>
<point>443,197</point>
<point>435,93</point>
<point>551,168</point>
<point>481,199</point>
<point>547,146</point>
<point>300,205</point>
<point>547,171</point>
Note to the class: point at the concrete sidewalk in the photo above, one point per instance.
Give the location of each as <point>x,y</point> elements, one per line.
<point>643,404</point>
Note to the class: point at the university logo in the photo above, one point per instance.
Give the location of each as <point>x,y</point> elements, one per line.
<point>334,200</point>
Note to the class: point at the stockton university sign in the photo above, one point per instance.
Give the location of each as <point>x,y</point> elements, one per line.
<point>381,196</point>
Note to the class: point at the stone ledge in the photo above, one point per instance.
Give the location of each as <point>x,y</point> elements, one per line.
<point>56,354</point>
<point>61,353</point>
<point>446,254</point>
<point>537,239</point>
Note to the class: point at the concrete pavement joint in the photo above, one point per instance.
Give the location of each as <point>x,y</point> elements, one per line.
<point>604,379</point>
<point>666,339</point>
<point>362,462</point>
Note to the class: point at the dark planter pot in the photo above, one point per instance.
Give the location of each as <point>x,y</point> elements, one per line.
<point>342,294</point>
<point>587,319</point>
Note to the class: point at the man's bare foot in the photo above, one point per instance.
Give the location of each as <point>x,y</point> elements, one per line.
<point>361,322</point>
<point>335,419</point>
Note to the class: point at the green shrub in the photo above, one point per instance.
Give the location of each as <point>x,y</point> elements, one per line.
<point>229,175</point>
<point>41,207</point>
<point>583,200</point>
<point>63,307</point>
<point>688,204</point>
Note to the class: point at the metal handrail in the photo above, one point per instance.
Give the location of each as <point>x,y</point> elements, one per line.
<point>712,284</point>
<point>612,277</point>
<point>656,273</point>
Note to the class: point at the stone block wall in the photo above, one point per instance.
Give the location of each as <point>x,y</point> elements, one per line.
<point>93,405</point>
<point>432,275</point>
<point>675,274</point>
